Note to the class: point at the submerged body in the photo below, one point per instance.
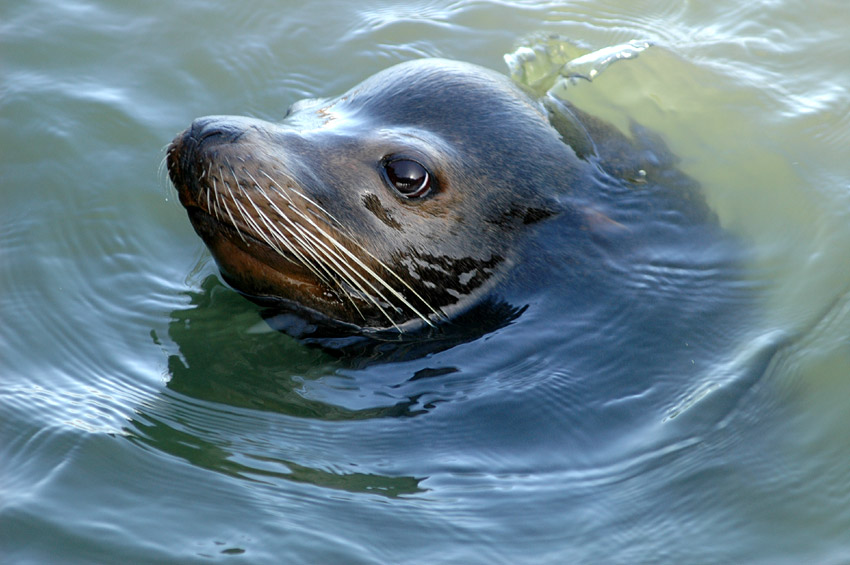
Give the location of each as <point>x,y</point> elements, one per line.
<point>436,197</point>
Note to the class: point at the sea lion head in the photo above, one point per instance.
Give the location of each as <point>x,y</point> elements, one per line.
<point>397,205</point>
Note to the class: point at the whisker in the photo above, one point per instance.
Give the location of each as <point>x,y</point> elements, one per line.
<point>369,270</point>
<point>216,195</point>
<point>343,271</point>
<point>312,266</point>
<point>207,190</point>
<point>247,218</point>
<point>226,209</point>
<point>309,248</point>
<point>163,176</point>
<point>305,244</point>
<point>276,186</point>
<point>335,256</point>
<point>325,255</point>
<point>345,232</point>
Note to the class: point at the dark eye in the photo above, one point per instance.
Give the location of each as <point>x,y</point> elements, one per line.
<point>408,177</point>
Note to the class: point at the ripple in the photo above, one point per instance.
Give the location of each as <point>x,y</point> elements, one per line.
<point>145,413</point>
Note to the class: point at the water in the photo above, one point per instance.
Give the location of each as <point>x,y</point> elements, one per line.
<point>147,414</point>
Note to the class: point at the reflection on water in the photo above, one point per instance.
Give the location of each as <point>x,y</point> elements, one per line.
<point>160,425</point>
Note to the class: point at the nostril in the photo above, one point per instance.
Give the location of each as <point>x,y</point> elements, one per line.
<point>216,128</point>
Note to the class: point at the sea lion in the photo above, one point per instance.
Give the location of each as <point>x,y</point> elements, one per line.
<point>429,189</point>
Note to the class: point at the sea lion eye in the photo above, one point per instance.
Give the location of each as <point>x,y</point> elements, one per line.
<point>409,178</point>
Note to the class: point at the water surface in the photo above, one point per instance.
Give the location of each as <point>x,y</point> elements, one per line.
<point>147,414</point>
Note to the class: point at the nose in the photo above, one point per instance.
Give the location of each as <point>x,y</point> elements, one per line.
<point>210,132</point>
<point>218,129</point>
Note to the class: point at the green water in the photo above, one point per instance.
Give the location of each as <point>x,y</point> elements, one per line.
<point>147,414</point>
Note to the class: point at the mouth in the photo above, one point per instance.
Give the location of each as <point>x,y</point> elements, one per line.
<point>254,267</point>
<point>277,283</point>
<point>210,227</point>
<point>251,266</point>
